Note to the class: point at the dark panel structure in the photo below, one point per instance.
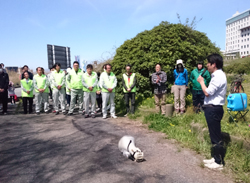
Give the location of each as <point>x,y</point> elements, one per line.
<point>59,54</point>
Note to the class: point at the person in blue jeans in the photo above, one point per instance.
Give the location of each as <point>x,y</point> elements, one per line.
<point>180,86</point>
<point>197,93</point>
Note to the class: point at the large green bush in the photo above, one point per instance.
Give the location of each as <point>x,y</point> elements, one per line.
<point>164,44</point>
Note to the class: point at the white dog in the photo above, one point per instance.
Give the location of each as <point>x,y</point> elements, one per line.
<point>127,146</point>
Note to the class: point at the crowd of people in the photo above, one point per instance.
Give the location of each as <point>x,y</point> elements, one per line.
<point>73,87</point>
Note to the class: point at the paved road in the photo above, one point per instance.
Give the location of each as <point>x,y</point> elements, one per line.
<point>51,149</point>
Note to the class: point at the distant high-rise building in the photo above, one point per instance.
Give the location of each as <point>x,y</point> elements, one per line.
<point>58,54</point>
<point>238,35</point>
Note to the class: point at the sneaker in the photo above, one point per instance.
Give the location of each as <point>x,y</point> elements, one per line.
<point>64,113</point>
<point>209,161</point>
<point>70,114</point>
<point>182,112</point>
<point>86,116</point>
<point>47,112</point>
<point>56,113</point>
<point>93,115</point>
<point>126,115</point>
<point>37,113</point>
<point>113,116</point>
<point>214,166</point>
<point>104,117</point>
<point>4,113</point>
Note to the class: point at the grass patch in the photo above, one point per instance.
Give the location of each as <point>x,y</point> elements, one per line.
<point>181,128</point>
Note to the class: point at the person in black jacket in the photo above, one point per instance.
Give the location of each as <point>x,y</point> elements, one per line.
<point>26,68</point>
<point>4,83</point>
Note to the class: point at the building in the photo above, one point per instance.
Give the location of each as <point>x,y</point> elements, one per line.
<point>238,35</point>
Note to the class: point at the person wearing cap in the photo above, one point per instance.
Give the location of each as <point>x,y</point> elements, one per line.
<point>27,92</point>
<point>180,86</point>
<point>58,84</point>
<point>215,95</point>
<point>41,83</point>
<point>159,79</point>
<point>4,83</point>
<point>89,82</point>
<point>129,89</point>
<point>197,93</point>
<point>76,88</point>
<point>109,83</point>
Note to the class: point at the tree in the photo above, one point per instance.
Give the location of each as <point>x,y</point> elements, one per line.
<point>164,44</point>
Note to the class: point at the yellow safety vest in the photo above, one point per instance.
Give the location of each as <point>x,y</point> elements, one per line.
<point>40,82</point>
<point>108,80</point>
<point>27,86</point>
<point>58,76</point>
<point>132,77</point>
<point>90,80</point>
<point>76,79</point>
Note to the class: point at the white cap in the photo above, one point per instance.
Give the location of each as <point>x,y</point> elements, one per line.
<point>68,69</point>
<point>179,62</point>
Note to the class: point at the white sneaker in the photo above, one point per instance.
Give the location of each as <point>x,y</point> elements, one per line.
<point>113,116</point>
<point>126,115</point>
<point>104,117</point>
<point>214,166</point>
<point>209,161</point>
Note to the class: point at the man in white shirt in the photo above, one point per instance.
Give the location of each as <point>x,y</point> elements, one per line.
<point>215,95</point>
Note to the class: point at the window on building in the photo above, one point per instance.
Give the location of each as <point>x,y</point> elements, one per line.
<point>244,46</point>
<point>241,53</point>
<point>244,52</point>
<point>241,47</point>
<point>248,45</point>
<point>247,39</point>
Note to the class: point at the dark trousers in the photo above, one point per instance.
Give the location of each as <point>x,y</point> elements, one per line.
<point>25,104</point>
<point>213,116</point>
<point>12,98</point>
<point>99,100</point>
<point>198,98</point>
<point>131,96</point>
<point>50,92</point>
<point>4,100</point>
<point>68,97</point>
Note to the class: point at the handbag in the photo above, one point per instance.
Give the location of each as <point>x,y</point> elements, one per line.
<point>173,86</point>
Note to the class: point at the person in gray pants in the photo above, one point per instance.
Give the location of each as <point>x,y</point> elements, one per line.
<point>109,83</point>
<point>75,86</point>
<point>41,83</point>
<point>89,82</point>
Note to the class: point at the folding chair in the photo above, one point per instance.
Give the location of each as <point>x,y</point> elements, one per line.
<point>237,106</point>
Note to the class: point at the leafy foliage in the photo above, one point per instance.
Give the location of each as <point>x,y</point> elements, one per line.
<point>163,44</point>
<point>235,67</point>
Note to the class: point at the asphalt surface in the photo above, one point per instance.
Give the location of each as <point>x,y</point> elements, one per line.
<point>49,148</point>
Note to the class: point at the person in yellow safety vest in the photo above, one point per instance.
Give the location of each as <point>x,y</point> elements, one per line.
<point>129,89</point>
<point>41,83</point>
<point>75,86</point>
<point>58,84</point>
<point>89,82</point>
<point>108,84</point>
<point>27,92</point>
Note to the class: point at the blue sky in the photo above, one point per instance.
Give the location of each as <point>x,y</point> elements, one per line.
<point>94,28</point>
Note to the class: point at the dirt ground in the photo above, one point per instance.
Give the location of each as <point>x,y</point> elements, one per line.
<point>49,148</point>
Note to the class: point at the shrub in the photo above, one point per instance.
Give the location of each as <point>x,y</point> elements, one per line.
<point>163,44</point>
